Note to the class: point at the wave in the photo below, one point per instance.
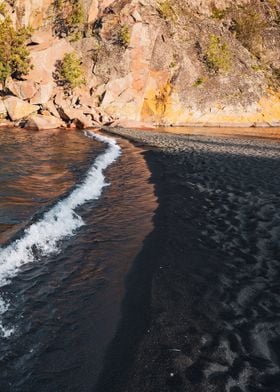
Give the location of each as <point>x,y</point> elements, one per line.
<point>61,221</point>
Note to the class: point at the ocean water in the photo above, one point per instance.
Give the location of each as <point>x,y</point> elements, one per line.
<point>75,208</point>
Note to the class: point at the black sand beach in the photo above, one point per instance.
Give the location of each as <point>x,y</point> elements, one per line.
<point>202,304</point>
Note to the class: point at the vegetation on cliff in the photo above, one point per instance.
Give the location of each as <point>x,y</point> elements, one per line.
<point>14,54</point>
<point>71,71</point>
<point>218,55</point>
<point>162,61</point>
<point>124,36</point>
<point>69,18</point>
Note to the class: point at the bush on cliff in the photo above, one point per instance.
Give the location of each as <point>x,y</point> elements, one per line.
<point>217,13</point>
<point>70,18</point>
<point>71,70</point>
<point>77,16</point>
<point>124,36</point>
<point>218,56</point>
<point>14,54</point>
<point>166,10</point>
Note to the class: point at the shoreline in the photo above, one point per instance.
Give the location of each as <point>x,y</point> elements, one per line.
<point>193,304</point>
<point>225,129</point>
<point>221,130</point>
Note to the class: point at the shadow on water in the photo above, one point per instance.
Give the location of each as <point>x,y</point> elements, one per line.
<point>136,313</point>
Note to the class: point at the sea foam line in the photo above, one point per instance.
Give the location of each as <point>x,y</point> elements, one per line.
<point>59,222</point>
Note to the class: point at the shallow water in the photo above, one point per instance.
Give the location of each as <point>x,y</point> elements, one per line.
<point>60,308</point>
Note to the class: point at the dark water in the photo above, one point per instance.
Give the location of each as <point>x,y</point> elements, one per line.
<point>63,308</point>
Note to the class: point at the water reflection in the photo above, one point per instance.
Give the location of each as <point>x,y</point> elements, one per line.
<point>37,168</point>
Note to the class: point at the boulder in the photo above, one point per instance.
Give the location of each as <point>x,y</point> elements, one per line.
<point>51,108</point>
<point>40,122</point>
<point>93,113</point>
<point>76,116</point>
<point>44,93</point>
<point>83,122</point>
<point>24,89</point>
<point>81,117</point>
<point>36,93</point>
<point>3,110</point>
<point>18,109</point>
<point>61,100</point>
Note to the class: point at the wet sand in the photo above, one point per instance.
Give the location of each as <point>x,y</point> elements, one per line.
<point>202,305</point>
<point>240,131</point>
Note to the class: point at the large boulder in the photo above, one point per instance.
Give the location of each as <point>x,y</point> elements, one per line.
<point>18,109</point>
<point>76,116</point>
<point>81,117</point>
<point>28,90</point>
<point>40,122</point>
<point>23,89</point>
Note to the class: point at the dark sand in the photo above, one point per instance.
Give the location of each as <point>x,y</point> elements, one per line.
<point>202,308</point>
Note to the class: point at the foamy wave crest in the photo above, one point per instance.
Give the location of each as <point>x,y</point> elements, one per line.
<point>42,237</point>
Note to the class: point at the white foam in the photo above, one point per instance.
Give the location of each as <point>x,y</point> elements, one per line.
<point>4,331</point>
<point>61,221</point>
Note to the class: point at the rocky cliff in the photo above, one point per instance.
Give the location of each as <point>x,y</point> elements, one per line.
<point>148,61</point>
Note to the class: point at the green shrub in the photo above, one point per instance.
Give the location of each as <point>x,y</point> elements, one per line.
<point>217,13</point>
<point>76,36</point>
<point>257,67</point>
<point>172,64</point>
<point>70,19</point>
<point>199,82</point>
<point>71,70</point>
<point>14,54</point>
<point>218,55</point>
<point>166,10</point>
<point>77,16</point>
<point>124,36</point>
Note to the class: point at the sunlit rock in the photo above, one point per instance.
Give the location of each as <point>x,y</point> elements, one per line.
<point>18,109</point>
<point>40,122</point>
